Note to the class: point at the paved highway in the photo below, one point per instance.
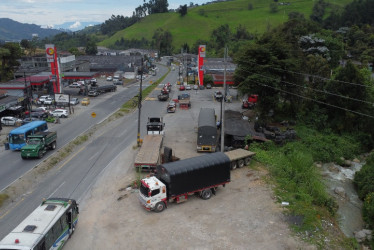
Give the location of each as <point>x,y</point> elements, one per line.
<point>78,173</point>
<point>13,166</point>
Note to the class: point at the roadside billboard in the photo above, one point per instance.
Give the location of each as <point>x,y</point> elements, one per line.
<point>62,98</point>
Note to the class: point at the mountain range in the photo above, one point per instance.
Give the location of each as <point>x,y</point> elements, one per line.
<point>11,30</point>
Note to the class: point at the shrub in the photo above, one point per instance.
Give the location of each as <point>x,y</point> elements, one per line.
<point>368,209</point>
<point>364,179</point>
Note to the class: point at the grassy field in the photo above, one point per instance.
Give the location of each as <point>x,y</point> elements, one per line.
<point>200,21</point>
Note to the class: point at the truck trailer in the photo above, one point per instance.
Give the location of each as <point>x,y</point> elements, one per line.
<point>207,135</point>
<point>175,181</point>
<point>149,154</point>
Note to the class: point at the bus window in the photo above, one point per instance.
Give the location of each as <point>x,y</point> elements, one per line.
<point>28,133</point>
<point>17,139</point>
<point>41,245</point>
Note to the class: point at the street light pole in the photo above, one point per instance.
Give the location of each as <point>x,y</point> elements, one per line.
<point>27,96</point>
<point>223,105</point>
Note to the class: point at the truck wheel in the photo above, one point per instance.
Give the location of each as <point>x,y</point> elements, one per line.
<point>159,207</point>
<point>247,160</point>
<point>23,158</point>
<point>241,163</point>
<point>234,165</point>
<point>53,145</point>
<point>40,154</point>
<point>206,194</point>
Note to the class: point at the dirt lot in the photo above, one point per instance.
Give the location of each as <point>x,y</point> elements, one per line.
<point>243,215</point>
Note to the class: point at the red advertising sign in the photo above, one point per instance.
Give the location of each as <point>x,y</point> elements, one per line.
<point>50,52</point>
<point>202,49</point>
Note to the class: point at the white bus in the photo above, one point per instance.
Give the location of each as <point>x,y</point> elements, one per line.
<point>49,226</point>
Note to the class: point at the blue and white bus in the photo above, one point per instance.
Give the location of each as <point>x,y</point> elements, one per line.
<point>49,226</point>
<point>17,137</point>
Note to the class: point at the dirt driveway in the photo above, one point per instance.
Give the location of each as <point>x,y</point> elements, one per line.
<point>243,215</point>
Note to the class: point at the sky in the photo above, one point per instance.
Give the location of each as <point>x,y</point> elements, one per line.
<point>50,13</point>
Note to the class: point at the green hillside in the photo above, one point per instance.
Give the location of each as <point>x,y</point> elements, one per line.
<point>200,21</point>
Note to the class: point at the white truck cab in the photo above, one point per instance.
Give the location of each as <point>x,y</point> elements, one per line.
<point>155,126</point>
<point>152,194</point>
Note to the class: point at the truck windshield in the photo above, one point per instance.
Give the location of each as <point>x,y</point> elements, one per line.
<point>33,142</point>
<point>144,190</point>
<point>154,127</point>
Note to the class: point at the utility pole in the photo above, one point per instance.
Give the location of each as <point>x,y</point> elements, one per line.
<point>140,102</point>
<point>27,95</point>
<point>223,105</point>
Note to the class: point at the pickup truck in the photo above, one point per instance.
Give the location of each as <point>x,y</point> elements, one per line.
<point>37,145</point>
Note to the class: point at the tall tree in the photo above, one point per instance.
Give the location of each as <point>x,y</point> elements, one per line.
<point>183,10</point>
<point>91,48</point>
<point>9,53</point>
<point>162,40</point>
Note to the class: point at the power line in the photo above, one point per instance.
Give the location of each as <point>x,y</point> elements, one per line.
<point>308,75</point>
<point>311,99</point>
<point>317,90</point>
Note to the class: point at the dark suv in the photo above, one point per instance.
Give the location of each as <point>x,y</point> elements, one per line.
<point>39,114</point>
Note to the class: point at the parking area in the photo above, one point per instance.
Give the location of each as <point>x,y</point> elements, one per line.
<point>243,215</point>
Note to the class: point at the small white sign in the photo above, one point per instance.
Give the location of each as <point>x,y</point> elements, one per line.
<point>62,98</point>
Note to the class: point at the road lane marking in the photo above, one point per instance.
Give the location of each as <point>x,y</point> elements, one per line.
<point>7,212</point>
<point>56,189</point>
<point>71,157</point>
<point>93,156</point>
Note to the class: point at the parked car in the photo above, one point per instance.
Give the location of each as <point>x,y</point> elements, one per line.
<point>182,87</point>
<point>42,99</point>
<point>39,114</point>
<point>41,109</point>
<point>93,93</point>
<point>118,82</point>
<point>93,80</point>
<point>63,113</point>
<point>188,87</point>
<point>208,86</point>
<point>49,101</point>
<point>29,119</point>
<point>109,78</point>
<point>85,101</point>
<point>10,121</point>
<point>74,101</point>
<point>195,87</point>
<point>75,85</point>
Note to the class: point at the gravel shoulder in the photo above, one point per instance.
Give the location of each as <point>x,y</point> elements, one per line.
<point>243,215</point>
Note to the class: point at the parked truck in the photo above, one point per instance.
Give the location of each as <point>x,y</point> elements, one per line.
<point>184,101</point>
<point>37,145</point>
<point>155,126</point>
<point>149,155</point>
<point>175,181</point>
<point>202,175</point>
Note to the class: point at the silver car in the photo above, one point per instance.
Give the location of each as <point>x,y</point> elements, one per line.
<point>74,101</point>
<point>10,120</point>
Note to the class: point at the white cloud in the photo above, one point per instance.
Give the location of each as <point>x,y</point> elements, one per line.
<point>75,25</point>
